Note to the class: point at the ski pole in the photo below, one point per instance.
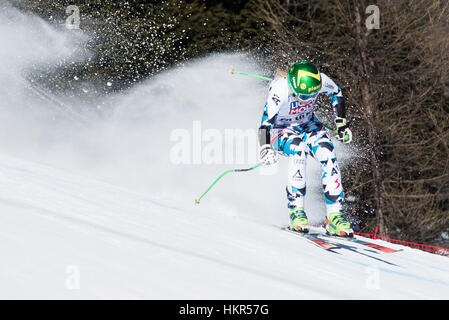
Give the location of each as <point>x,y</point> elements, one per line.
<point>197,201</point>
<point>233,71</point>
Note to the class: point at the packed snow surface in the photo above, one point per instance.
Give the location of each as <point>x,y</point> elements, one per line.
<point>67,236</point>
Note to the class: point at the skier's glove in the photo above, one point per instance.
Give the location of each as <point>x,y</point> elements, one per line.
<point>344,134</point>
<point>267,155</point>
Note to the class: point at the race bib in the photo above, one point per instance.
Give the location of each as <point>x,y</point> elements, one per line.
<point>296,114</point>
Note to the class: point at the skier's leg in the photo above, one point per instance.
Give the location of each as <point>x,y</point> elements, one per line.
<point>296,191</point>
<point>322,149</point>
<point>290,143</point>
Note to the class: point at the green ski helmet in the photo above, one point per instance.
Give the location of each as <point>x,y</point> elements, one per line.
<point>304,80</point>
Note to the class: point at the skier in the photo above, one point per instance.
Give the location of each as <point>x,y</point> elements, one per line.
<point>289,127</point>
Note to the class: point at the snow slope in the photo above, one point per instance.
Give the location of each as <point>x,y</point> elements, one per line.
<point>93,203</point>
<point>67,236</point>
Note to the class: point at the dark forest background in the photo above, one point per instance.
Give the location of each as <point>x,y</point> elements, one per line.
<point>395,79</point>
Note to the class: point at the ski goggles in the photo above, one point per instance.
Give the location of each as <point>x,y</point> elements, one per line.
<point>306,96</point>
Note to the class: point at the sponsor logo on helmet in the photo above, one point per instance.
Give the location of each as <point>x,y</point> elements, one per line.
<point>313,88</point>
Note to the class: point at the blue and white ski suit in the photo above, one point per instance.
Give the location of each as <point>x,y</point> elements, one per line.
<point>293,130</point>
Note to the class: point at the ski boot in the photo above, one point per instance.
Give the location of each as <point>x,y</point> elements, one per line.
<point>337,225</point>
<point>298,220</point>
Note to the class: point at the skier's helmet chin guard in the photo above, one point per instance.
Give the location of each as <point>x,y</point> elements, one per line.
<point>304,80</point>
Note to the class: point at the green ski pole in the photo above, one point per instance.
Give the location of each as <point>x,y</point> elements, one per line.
<point>233,71</point>
<point>197,201</point>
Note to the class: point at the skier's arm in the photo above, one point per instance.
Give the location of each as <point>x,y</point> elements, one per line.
<point>267,154</point>
<point>338,104</point>
<point>269,114</point>
<point>265,127</point>
<point>331,89</point>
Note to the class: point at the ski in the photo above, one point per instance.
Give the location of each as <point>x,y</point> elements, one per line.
<point>363,242</point>
<point>374,246</point>
<point>313,238</point>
